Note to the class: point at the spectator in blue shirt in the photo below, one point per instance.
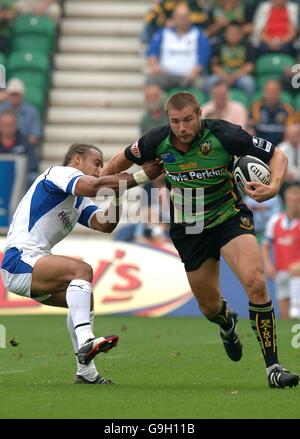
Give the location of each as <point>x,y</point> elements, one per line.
<point>179,56</point>
<point>29,122</point>
<point>12,142</point>
<point>269,116</point>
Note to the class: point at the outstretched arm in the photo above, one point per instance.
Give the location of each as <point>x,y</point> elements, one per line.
<point>88,186</point>
<point>116,164</point>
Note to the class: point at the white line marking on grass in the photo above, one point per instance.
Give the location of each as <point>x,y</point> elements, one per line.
<point>5,372</point>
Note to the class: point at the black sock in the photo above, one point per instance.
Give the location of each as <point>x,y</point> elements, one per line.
<point>222,318</point>
<point>262,319</point>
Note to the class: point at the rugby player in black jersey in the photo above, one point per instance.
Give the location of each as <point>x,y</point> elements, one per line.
<point>198,155</point>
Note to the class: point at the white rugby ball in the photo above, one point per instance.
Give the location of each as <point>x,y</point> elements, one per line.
<point>248,168</point>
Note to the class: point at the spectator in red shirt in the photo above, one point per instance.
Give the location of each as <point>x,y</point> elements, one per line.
<point>275,26</point>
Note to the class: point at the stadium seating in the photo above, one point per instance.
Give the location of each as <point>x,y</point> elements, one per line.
<point>31,67</point>
<point>36,97</point>
<point>31,42</point>
<point>271,66</point>
<point>239,96</point>
<point>2,59</point>
<point>297,102</point>
<point>33,33</point>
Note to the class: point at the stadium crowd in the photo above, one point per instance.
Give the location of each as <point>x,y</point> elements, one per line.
<point>27,35</point>
<point>236,56</point>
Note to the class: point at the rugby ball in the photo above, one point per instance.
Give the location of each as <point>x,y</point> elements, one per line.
<point>248,168</point>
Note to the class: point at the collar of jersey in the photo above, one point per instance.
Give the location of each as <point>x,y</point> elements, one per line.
<point>193,145</point>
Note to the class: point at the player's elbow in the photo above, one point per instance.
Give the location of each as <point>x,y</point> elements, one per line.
<point>285,159</point>
<point>282,158</point>
<point>279,155</point>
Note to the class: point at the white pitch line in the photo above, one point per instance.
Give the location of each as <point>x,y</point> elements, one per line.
<point>5,372</point>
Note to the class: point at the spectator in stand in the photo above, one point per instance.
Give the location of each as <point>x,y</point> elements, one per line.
<point>179,56</point>
<point>160,15</point>
<point>222,107</point>
<point>154,114</point>
<point>3,96</point>
<point>233,61</point>
<point>51,8</point>
<point>12,142</point>
<point>262,212</point>
<point>268,115</point>
<point>29,121</point>
<point>283,235</point>
<point>275,26</point>
<point>291,148</point>
<point>7,14</point>
<point>229,11</point>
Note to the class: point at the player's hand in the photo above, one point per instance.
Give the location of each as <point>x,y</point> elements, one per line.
<point>260,192</point>
<point>153,168</point>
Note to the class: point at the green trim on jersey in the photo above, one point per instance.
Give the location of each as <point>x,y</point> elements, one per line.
<point>204,168</point>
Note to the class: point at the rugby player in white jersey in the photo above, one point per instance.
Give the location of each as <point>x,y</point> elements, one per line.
<point>56,201</point>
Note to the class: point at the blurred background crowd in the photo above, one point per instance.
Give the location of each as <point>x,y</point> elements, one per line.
<point>240,58</point>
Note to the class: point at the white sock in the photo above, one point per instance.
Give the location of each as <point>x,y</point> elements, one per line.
<point>92,319</point>
<point>295,297</point>
<point>79,302</point>
<point>88,372</point>
<point>72,332</point>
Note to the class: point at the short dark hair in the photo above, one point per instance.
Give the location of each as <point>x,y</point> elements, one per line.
<point>289,187</point>
<point>80,149</point>
<point>181,100</point>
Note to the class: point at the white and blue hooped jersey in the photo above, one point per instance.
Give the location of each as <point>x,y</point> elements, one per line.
<point>49,211</point>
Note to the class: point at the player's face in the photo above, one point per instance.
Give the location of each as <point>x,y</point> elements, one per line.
<point>185,123</point>
<point>92,163</point>
<point>292,202</point>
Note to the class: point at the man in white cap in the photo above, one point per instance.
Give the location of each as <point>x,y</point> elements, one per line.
<point>29,122</point>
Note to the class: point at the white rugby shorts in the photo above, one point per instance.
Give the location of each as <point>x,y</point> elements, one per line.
<point>282,285</point>
<point>16,271</point>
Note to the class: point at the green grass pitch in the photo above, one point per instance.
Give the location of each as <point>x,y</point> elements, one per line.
<point>163,368</point>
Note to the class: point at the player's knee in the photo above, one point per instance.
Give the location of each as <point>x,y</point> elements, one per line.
<point>84,271</point>
<point>209,308</point>
<point>256,288</point>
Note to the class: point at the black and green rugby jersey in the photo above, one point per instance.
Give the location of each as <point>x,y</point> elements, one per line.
<point>205,169</point>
